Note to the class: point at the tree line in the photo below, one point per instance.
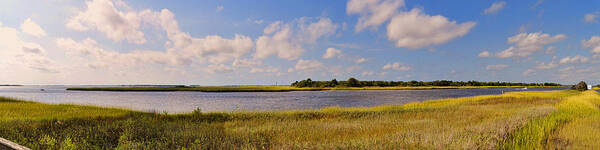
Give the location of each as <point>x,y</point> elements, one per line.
<point>352,82</point>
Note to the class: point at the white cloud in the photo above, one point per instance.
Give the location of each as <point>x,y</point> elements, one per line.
<point>360,60</point>
<point>332,52</point>
<point>497,6</point>
<point>496,67</point>
<point>372,12</point>
<point>484,54</point>
<point>264,70</point>
<point>119,22</point>
<point>593,43</point>
<point>574,59</point>
<point>529,72</point>
<point>307,66</point>
<point>546,66</point>
<point>315,30</point>
<point>99,57</point>
<point>246,63</point>
<point>32,28</point>
<point>526,44</point>
<point>18,53</point>
<point>414,29</point>
<point>219,68</point>
<point>590,17</point>
<point>105,16</point>
<point>220,8</point>
<point>280,43</point>
<point>396,66</point>
<point>287,42</point>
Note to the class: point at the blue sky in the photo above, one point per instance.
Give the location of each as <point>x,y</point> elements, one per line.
<point>224,42</point>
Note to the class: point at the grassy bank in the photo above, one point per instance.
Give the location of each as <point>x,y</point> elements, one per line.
<point>564,119</point>
<point>273,88</point>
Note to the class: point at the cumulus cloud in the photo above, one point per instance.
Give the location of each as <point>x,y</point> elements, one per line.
<point>590,17</point>
<point>16,52</point>
<point>396,66</point>
<point>32,28</point>
<point>497,6</point>
<point>414,29</point>
<point>286,40</point>
<point>593,44</point>
<point>372,12</point>
<point>119,22</point>
<point>307,66</point>
<point>109,18</point>
<point>526,44</point>
<point>484,54</point>
<point>332,52</point>
<point>99,57</point>
<point>574,59</point>
<point>496,67</point>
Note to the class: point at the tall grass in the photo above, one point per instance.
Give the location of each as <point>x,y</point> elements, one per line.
<point>537,133</point>
<point>481,122</point>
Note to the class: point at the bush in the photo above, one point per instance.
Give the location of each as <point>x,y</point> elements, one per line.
<point>581,86</point>
<point>352,82</point>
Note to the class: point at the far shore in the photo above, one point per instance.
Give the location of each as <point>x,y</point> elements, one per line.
<point>279,88</point>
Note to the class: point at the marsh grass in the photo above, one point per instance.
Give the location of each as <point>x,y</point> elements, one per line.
<point>577,112</point>
<point>275,88</point>
<point>481,122</point>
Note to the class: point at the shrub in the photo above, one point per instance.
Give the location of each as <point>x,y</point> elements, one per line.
<point>581,86</point>
<point>352,82</point>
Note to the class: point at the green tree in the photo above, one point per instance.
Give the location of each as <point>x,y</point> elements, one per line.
<point>581,86</point>
<point>352,82</point>
<point>334,82</point>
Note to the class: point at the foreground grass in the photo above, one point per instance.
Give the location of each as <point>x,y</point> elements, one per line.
<point>512,120</point>
<point>278,88</point>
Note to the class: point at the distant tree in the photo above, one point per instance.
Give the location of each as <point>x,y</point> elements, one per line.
<point>352,82</point>
<point>581,86</point>
<point>334,82</point>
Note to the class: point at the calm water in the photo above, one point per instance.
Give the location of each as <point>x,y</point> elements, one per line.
<point>178,102</point>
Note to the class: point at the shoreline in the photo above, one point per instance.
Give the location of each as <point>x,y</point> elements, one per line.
<point>280,88</point>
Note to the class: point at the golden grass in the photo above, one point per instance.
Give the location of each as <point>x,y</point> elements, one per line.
<point>539,133</point>
<point>510,121</point>
<point>12,109</point>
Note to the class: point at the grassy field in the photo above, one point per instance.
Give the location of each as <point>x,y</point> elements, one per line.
<point>540,120</point>
<point>274,88</point>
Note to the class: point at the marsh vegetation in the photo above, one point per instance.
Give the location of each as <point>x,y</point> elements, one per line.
<point>549,119</point>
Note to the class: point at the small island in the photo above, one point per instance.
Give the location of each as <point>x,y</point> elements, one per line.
<point>310,85</point>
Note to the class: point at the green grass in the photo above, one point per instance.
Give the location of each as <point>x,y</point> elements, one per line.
<point>575,111</point>
<point>541,120</point>
<point>274,88</point>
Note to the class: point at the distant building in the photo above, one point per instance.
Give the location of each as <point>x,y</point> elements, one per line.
<point>589,87</point>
